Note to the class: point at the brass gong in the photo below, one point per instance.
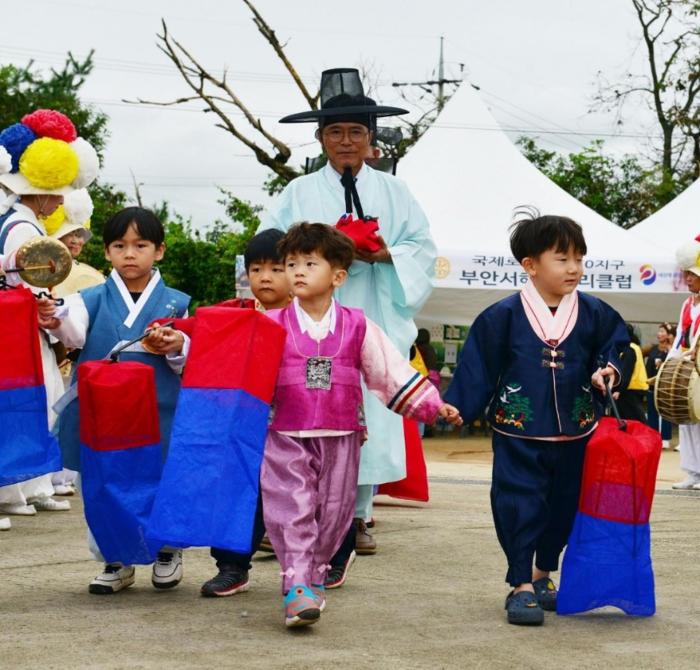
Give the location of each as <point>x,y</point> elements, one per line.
<point>45,262</point>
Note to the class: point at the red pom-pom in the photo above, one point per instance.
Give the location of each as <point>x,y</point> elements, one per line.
<point>50,123</point>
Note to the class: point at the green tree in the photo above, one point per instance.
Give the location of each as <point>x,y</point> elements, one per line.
<point>669,85</point>
<point>204,265</point>
<point>201,264</point>
<point>620,189</point>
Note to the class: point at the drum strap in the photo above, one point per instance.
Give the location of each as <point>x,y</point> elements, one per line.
<point>689,327</point>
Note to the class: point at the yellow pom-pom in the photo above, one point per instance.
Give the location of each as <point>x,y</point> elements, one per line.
<point>87,224</point>
<point>54,221</point>
<point>49,164</point>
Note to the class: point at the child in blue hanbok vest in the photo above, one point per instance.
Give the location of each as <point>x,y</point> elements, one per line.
<point>99,319</point>
<point>531,359</point>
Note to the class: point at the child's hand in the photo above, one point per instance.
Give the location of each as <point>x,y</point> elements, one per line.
<point>164,340</point>
<point>451,415</point>
<point>599,378</point>
<point>46,310</point>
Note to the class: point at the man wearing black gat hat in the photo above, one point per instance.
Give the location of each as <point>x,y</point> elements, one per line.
<point>391,276</point>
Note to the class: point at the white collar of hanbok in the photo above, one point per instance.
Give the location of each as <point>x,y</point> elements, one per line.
<point>550,328</point>
<point>135,307</point>
<point>317,329</point>
<point>334,177</point>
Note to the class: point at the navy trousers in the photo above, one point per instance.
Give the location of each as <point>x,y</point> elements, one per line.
<point>534,499</point>
<point>227,558</point>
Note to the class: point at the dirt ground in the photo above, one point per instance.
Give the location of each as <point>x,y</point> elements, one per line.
<point>432,597</point>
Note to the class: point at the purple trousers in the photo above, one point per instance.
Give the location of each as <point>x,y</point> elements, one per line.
<point>308,487</point>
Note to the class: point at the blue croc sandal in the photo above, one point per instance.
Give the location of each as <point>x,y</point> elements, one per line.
<point>523,609</point>
<point>546,594</point>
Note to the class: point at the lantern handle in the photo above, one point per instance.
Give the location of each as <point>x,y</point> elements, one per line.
<point>621,423</point>
<point>114,355</point>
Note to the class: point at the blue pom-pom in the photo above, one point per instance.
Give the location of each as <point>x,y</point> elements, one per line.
<point>16,138</point>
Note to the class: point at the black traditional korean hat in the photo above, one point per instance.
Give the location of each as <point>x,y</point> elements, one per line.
<point>343,99</point>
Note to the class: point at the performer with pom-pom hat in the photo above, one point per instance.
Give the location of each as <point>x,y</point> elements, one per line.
<point>41,161</point>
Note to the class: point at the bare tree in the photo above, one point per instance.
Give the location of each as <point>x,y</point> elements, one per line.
<point>220,99</point>
<point>671,40</point>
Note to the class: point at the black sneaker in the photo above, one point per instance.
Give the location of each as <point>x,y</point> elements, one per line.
<point>229,581</point>
<point>336,576</point>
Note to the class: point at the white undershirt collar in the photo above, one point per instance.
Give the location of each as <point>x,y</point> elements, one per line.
<point>317,329</point>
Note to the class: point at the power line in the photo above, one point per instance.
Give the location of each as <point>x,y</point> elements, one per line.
<point>141,67</point>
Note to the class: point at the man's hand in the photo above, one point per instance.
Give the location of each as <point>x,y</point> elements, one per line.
<point>600,377</point>
<point>381,256</point>
<point>451,415</point>
<point>163,340</point>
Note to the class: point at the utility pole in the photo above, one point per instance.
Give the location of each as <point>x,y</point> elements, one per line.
<point>441,76</point>
<point>440,98</point>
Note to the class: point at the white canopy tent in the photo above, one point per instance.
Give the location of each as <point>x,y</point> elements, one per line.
<point>674,224</point>
<point>469,177</point>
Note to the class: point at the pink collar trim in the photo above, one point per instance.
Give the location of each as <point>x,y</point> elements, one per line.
<point>551,329</point>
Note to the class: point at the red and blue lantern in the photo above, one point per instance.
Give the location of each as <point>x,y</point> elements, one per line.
<point>27,448</point>
<point>210,485</point>
<point>120,456</point>
<point>608,557</point>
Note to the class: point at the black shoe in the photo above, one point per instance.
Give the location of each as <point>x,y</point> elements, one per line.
<point>546,594</point>
<point>229,581</point>
<point>336,576</point>
<point>523,609</point>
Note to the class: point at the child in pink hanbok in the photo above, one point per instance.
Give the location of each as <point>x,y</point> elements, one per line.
<point>311,463</point>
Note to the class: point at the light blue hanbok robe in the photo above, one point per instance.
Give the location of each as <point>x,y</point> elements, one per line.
<point>389,294</point>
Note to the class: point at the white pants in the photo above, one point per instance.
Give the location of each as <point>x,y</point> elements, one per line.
<point>364,504</point>
<point>64,477</point>
<point>690,448</point>
<point>25,492</point>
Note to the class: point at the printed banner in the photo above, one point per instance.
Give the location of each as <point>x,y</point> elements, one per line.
<point>502,271</point>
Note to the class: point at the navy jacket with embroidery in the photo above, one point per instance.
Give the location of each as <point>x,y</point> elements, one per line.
<point>533,389</point>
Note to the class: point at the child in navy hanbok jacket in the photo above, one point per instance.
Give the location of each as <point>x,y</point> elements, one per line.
<point>532,360</point>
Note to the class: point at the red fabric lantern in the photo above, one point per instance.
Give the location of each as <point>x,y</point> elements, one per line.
<point>118,406</point>
<point>619,475</point>
<point>235,351</point>
<point>19,340</point>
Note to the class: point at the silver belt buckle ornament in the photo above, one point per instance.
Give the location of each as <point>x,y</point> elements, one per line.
<point>318,373</point>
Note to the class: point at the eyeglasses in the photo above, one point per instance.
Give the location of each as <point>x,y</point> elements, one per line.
<point>336,135</point>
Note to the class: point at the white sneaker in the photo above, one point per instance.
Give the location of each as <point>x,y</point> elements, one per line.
<point>665,444</point>
<point>19,510</point>
<point>5,524</point>
<point>63,490</point>
<point>677,447</point>
<point>114,578</point>
<point>51,505</point>
<point>167,570</point>
<point>688,483</point>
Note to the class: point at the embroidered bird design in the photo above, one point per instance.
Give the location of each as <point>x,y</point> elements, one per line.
<point>507,391</point>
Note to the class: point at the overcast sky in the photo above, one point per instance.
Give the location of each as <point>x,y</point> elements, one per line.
<point>535,64</point>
